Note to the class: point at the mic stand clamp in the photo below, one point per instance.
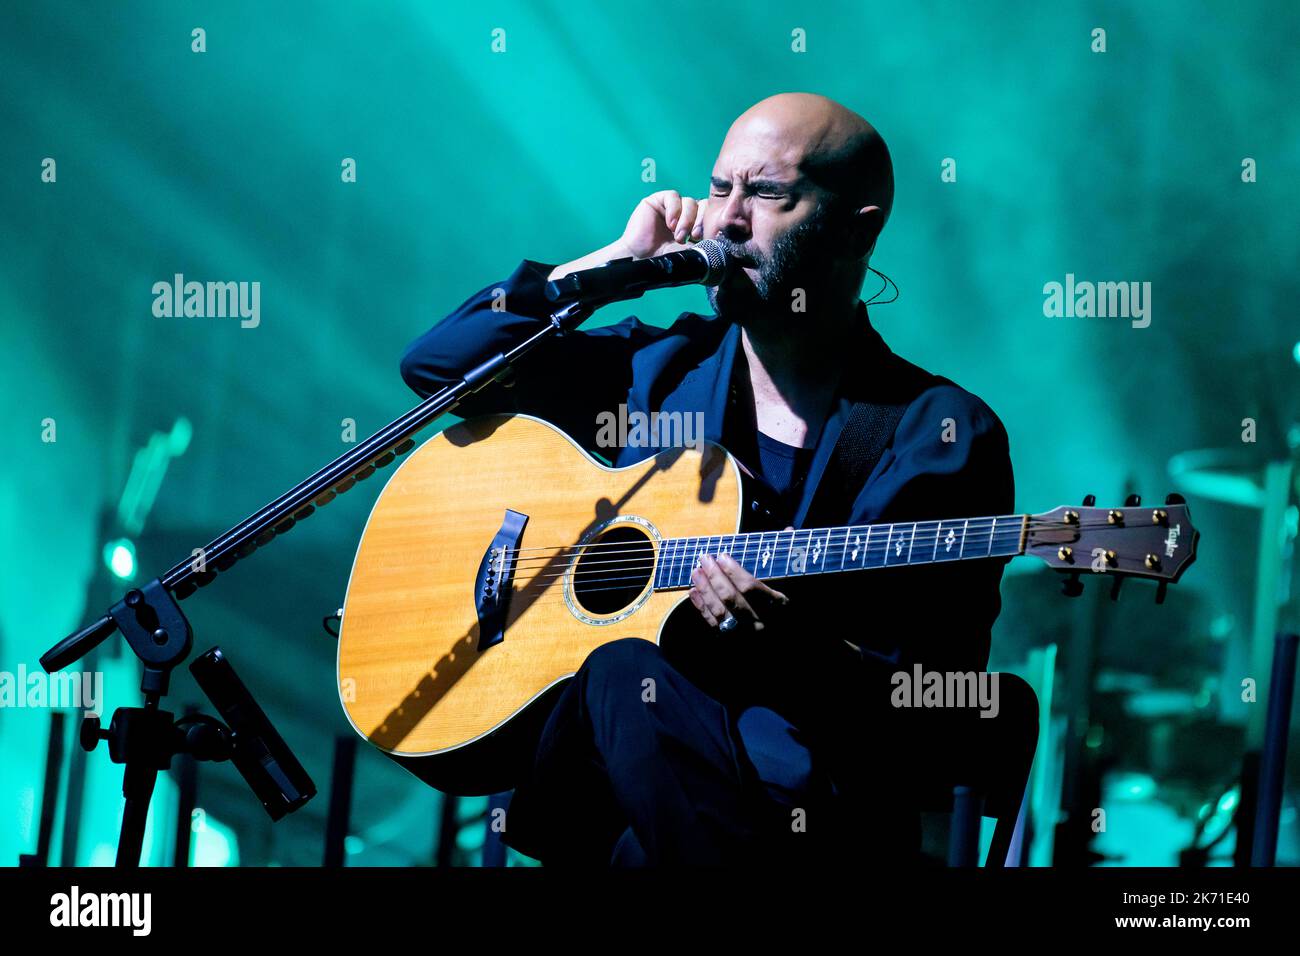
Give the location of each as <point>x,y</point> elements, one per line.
<point>144,739</point>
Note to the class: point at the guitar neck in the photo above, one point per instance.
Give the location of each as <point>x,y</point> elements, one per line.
<point>784,554</point>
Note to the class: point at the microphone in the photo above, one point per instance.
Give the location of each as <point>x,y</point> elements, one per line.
<point>705,263</point>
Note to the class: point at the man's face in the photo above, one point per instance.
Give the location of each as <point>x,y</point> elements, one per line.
<point>774,223</point>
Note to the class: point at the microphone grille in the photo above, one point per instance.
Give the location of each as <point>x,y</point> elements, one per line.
<point>716,256</point>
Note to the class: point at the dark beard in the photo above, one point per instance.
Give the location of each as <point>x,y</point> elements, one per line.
<point>800,259</point>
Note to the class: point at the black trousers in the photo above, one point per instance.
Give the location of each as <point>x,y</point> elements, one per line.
<point>640,765</point>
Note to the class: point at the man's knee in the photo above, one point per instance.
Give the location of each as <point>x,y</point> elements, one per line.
<point>628,661</point>
<point>783,762</point>
<point>618,683</point>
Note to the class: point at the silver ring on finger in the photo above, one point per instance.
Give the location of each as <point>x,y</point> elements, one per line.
<point>729,623</point>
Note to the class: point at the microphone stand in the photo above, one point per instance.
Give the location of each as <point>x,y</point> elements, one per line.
<point>157,630</point>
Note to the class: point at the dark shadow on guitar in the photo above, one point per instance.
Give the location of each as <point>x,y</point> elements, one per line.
<point>451,667</point>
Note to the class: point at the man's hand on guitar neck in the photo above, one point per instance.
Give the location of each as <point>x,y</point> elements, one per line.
<point>721,590</point>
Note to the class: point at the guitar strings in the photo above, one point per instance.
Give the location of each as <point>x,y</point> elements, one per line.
<point>651,565</point>
<point>974,524</point>
<point>706,544</point>
<point>647,567</point>
<point>551,596</point>
<point>831,538</point>
<point>647,554</point>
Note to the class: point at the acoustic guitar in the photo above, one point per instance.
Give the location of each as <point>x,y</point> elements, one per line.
<point>500,554</point>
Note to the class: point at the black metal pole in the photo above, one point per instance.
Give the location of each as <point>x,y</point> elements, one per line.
<point>187,798</point>
<point>494,851</point>
<point>137,788</point>
<point>1245,816</point>
<point>964,837</point>
<point>1272,765</point>
<point>49,794</point>
<point>340,811</point>
<point>448,829</point>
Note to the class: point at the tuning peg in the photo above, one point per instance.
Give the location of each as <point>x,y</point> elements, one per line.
<point>1072,586</point>
<point>1114,588</point>
<point>1089,500</point>
<point>1132,501</point>
<point>1175,499</point>
<point>1161,589</point>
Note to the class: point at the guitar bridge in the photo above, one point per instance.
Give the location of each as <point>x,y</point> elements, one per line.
<point>495,580</point>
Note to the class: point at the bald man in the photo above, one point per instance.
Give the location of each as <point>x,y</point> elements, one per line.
<point>770,733</point>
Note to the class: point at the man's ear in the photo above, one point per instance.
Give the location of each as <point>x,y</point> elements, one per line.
<point>864,230</point>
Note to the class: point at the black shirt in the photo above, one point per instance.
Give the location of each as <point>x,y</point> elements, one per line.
<point>782,468</point>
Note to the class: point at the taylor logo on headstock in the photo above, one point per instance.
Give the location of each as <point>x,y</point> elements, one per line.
<point>1171,542</point>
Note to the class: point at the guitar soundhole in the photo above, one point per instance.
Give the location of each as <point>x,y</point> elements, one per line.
<point>613,569</point>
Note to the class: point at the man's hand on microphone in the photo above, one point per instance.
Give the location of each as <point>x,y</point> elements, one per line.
<point>653,229</point>
<point>663,222</point>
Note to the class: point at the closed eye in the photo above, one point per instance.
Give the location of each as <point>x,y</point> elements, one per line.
<point>726,192</point>
<point>763,189</point>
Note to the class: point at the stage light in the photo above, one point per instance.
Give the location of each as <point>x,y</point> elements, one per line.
<point>1218,816</point>
<point>119,555</point>
<point>214,844</point>
<point>1134,786</point>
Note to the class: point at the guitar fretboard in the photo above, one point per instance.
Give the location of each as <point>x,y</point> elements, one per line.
<point>782,554</point>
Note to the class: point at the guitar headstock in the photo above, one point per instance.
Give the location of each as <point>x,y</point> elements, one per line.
<point>1129,542</point>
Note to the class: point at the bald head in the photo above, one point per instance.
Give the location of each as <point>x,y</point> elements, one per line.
<point>830,145</point>
<point>798,195</point>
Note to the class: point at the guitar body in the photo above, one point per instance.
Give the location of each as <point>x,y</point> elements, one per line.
<point>500,554</point>
<point>425,672</point>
